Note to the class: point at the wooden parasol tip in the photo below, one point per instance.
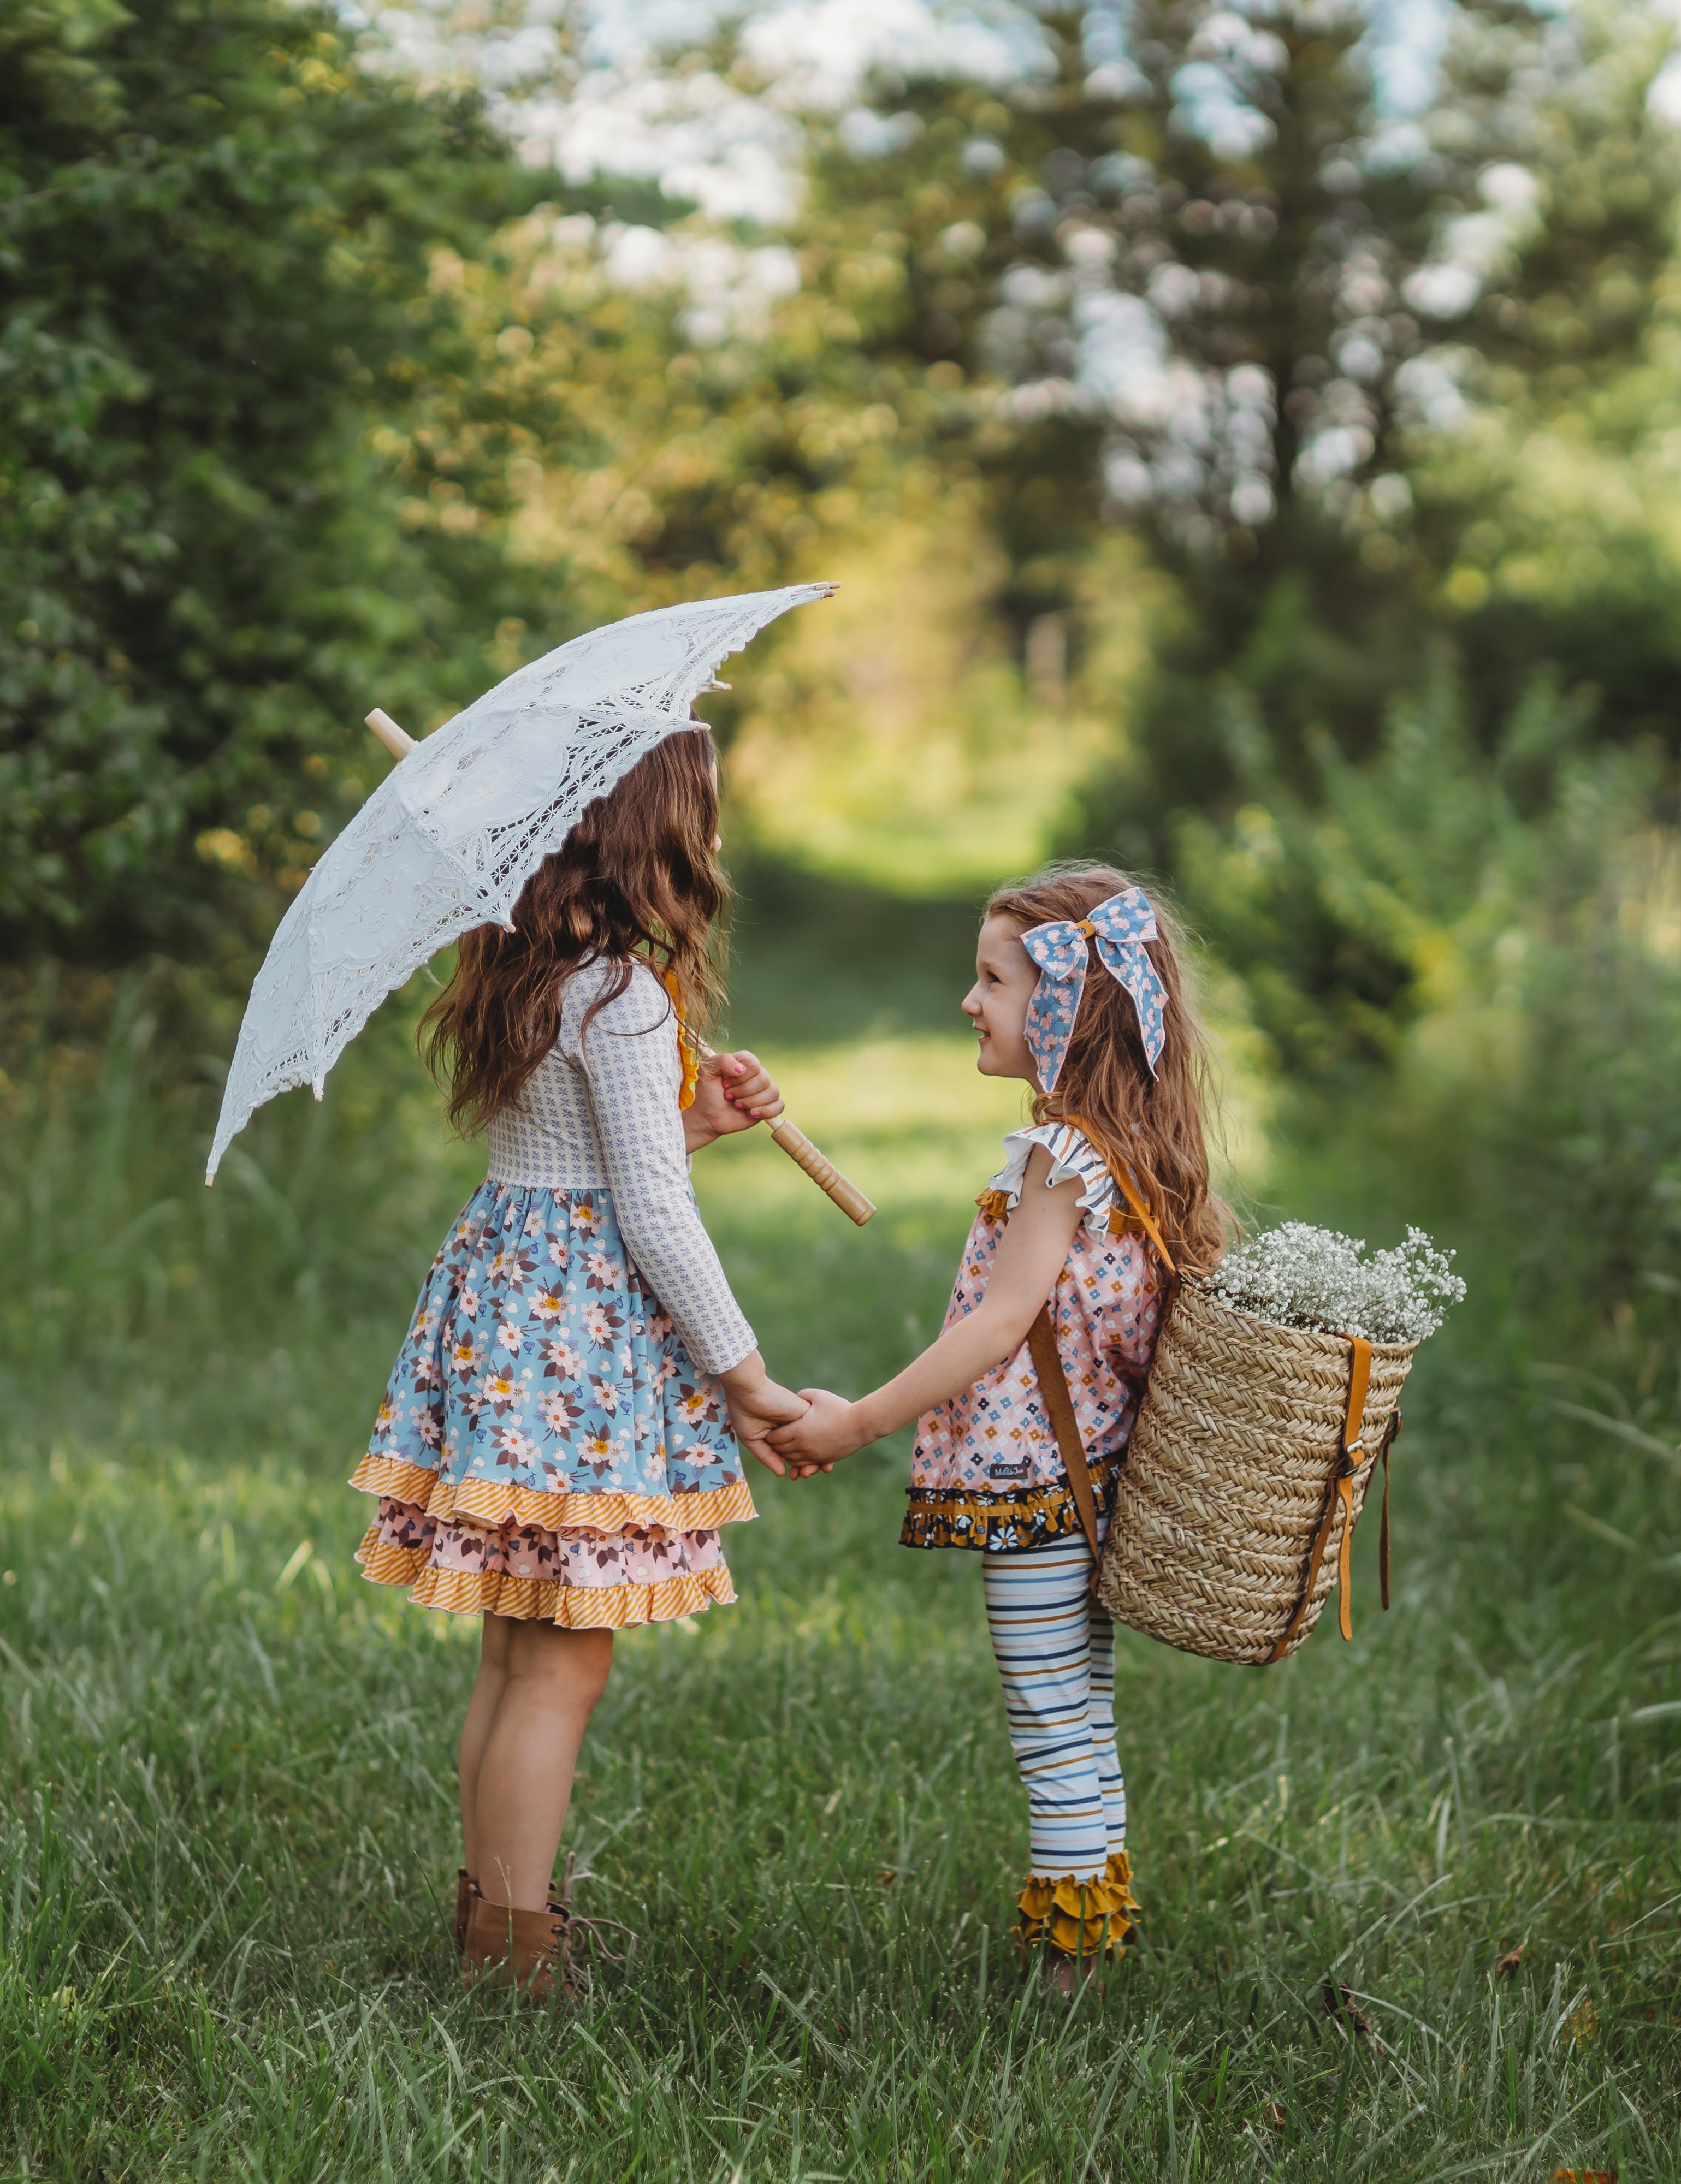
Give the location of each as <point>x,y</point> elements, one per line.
<point>395,740</point>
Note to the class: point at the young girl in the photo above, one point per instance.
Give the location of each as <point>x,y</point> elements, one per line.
<point>1078,991</point>
<point>558,1444</point>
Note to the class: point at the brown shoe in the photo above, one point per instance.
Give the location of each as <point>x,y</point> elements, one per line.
<point>465,1889</point>
<point>522,1949</point>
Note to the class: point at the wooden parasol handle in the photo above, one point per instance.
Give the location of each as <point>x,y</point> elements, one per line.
<point>821,1169</point>
<point>792,1139</point>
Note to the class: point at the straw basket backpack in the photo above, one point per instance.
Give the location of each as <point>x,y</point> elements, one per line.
<point>1237,1500</point>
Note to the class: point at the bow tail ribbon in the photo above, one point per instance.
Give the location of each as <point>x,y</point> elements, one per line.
<point>1129,966</point>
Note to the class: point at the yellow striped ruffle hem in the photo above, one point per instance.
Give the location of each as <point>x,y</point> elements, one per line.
<point>500,1501</point>
<point>541,1600</point>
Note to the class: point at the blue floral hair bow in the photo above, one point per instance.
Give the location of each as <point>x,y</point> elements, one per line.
<point>1120,927</point>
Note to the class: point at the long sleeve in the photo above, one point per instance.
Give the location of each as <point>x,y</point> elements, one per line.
<point>629,1059</point>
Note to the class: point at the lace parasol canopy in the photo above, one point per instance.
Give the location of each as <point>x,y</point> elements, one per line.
<point>450,837</point>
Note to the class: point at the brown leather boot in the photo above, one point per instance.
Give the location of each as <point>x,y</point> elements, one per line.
<point>522,1949</point>
<point>465,1889</point>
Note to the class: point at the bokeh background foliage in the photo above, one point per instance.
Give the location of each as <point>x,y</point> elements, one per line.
<point>1249,439</point>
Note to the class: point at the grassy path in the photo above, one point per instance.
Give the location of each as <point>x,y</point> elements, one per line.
<point>226,1838</point>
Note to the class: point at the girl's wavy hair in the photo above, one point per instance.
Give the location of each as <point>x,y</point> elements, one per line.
<point>636,876</point>
<point>1154,1125</point>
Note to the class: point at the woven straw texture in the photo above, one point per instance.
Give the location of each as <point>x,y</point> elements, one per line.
<point>1225,1482</point>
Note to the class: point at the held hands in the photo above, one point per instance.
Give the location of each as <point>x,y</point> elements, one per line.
<point>732,1092</point>
<point>828,1430</point>
<point>756,1405</point>
<point>792,1435</point>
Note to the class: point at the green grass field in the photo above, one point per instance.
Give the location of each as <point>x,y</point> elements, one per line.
<point>227,1840</point>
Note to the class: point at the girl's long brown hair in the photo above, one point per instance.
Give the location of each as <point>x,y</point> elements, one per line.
<point>1153,1125</point>
<point>637,876</point>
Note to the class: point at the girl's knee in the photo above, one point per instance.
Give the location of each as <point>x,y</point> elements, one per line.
<point>594,1663</point>
<point>574,1663</point>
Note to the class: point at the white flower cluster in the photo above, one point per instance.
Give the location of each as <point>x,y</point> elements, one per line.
<point>1314,1278</point>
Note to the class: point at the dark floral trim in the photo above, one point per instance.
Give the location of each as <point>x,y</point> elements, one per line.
<point>1003,1524</point>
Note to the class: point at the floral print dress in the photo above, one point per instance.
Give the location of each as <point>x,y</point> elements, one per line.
<point>547,1446</point>
<point>986,1472</point>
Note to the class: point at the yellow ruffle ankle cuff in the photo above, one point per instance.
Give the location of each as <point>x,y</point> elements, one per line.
<point>1080,1918</point>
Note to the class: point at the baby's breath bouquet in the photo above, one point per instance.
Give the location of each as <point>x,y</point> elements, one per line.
<point>1315,1277</point>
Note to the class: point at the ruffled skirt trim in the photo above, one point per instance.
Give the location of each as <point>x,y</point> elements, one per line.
<point>1014,1522</point>
<point>494,1502</point>
<point>531,1600</point>
<point>1079,1918</point>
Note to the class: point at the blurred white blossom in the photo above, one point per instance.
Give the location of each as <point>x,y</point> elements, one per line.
<point>728,289</point>
<point>1478,248</point>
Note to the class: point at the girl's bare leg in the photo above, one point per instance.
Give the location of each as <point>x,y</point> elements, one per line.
<point>552,1679</point>
<point>486,1696</point>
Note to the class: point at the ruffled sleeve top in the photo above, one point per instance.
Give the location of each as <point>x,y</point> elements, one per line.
<point>1074,1159</point>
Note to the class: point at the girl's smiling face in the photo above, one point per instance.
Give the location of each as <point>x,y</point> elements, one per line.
<point>996,1004</point>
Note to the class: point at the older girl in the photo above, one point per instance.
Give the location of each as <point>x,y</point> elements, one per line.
<point>1078,992</point>
<point>559,1445</point>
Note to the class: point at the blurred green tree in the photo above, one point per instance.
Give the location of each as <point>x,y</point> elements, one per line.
<point>1232,255</point>
<point>215,231</point>
<point>1544,519</point>
<point>1178,369</point>
<point>639,417</point>
<point>1248,313</point>
<point>1498,932</point>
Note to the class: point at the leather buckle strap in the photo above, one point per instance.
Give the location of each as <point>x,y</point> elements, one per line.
<point>1359,1381</point>
<point>1340,1487</point>
<point>1361,1371</point>
<point>1390,1432</point>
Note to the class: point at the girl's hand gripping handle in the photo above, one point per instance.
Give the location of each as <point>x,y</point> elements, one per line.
<point>794,1142</point>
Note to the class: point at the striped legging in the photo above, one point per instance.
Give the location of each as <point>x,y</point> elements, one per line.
<point>1055,1649</point>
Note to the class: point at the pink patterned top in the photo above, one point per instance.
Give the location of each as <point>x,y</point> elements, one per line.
<point>986,1472</point>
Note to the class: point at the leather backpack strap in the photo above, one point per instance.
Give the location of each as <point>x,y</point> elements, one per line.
<point>1360,1381</point>
<point>1395,1428</point>
<point>1315,1556</point>
<point>1339,1487</point>
<point>1147,1220</point>
<point>1042,1342</point>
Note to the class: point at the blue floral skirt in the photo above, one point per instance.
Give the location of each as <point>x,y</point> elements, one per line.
<point>545,1449</point>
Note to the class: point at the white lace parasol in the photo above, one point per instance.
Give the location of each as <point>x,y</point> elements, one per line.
<point>450,837</point>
